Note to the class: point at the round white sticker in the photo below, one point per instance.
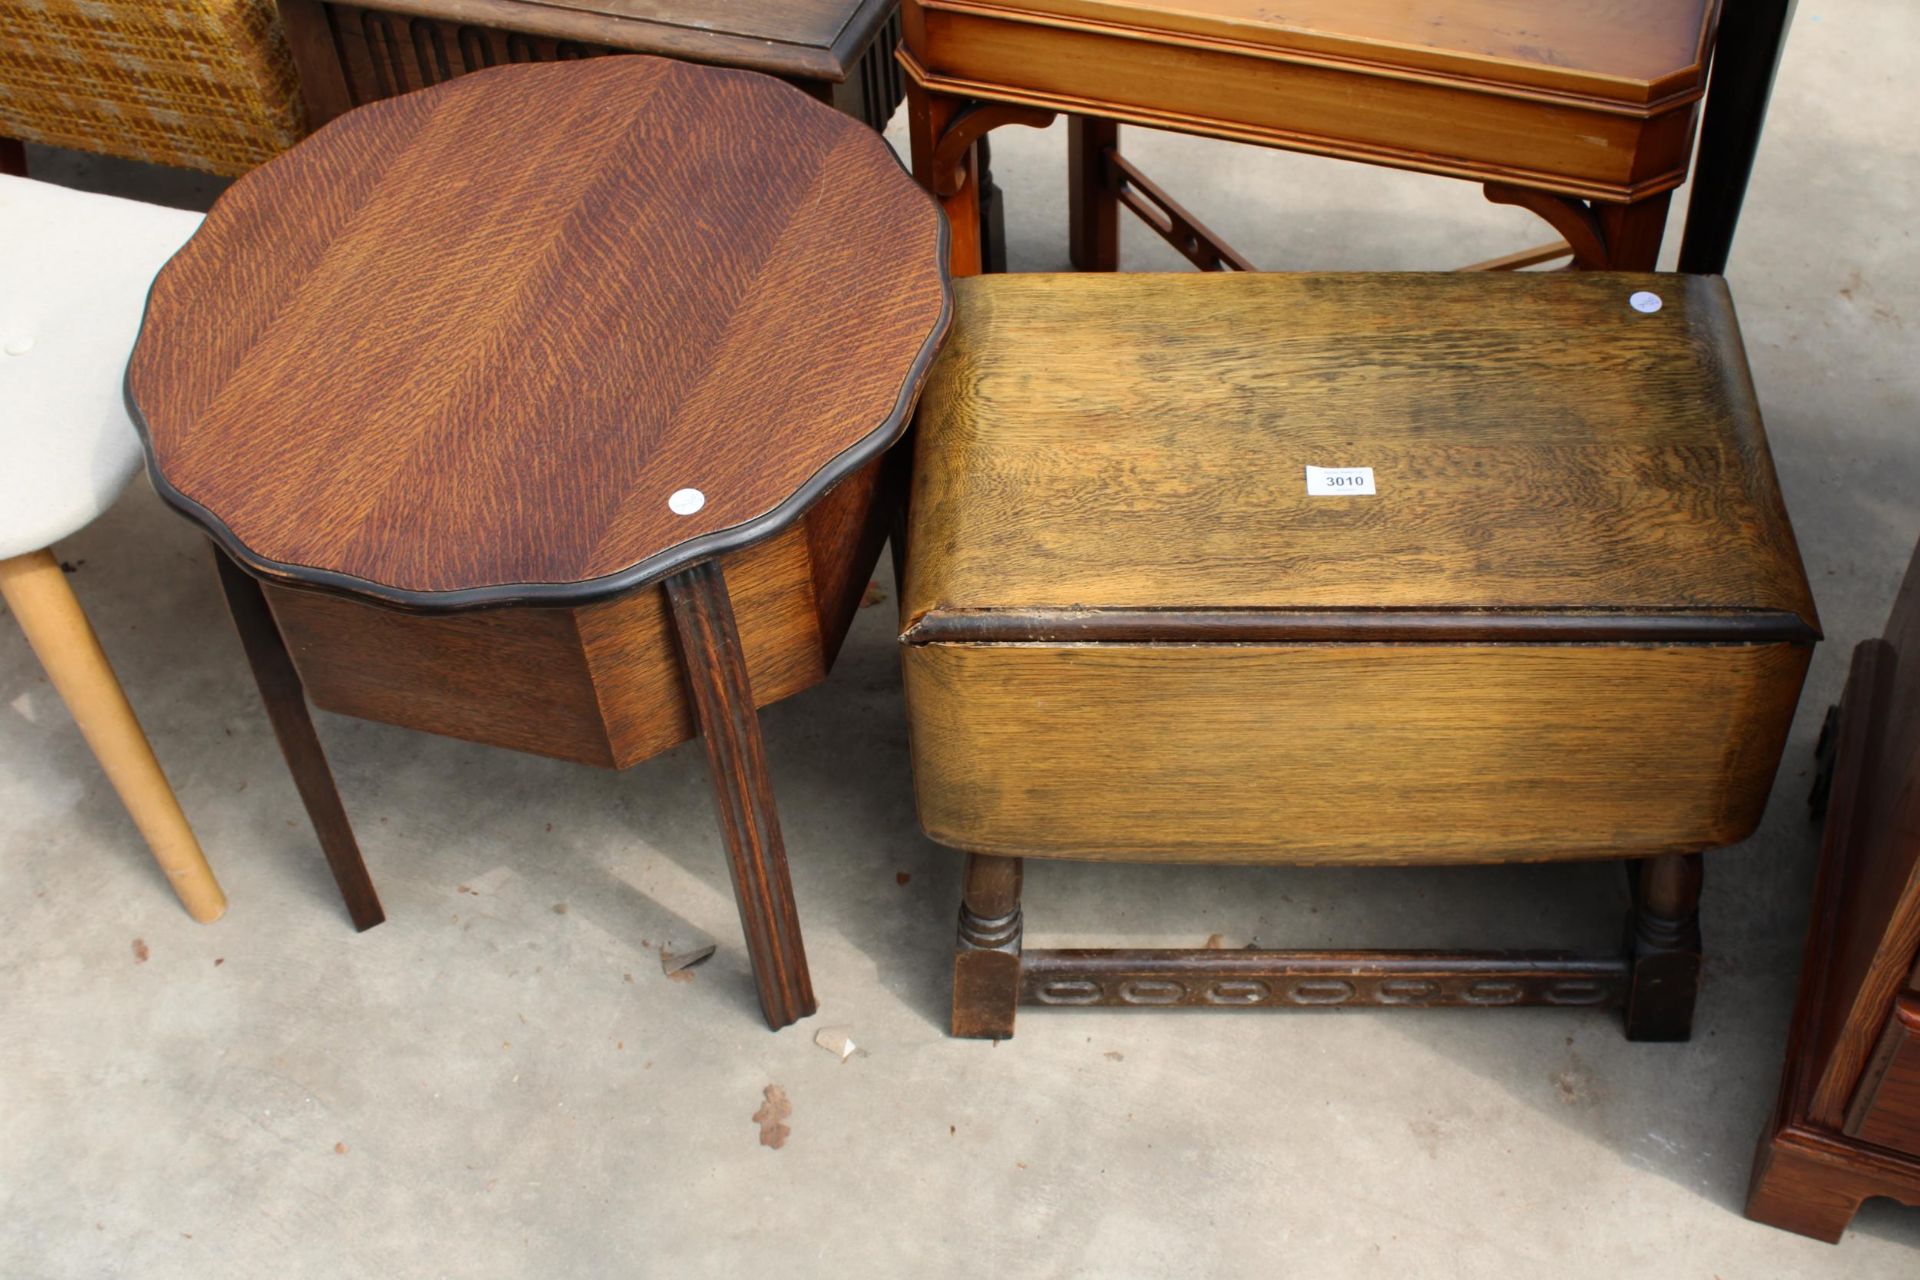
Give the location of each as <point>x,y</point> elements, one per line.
<point>685,502</point>
<point>1645,302</point>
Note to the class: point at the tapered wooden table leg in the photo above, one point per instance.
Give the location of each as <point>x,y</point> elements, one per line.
<point>986,955</point>
<point>1664,939</point>
<point>716,673</point>
<point>286,701</point>
<point>37,592</point>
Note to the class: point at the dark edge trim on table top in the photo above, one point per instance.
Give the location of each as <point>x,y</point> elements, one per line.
<point>589,590</point>
<point>832,61</point>
<point>1328,626</point>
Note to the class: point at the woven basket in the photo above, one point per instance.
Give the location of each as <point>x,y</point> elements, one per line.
<point>201,84</point>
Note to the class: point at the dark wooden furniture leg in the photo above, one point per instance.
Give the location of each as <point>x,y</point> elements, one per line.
<point>13,157</point>
<point>1664,943</point>
<point>1746,54</point>
<point>286,702</point>
<point>1808,1182</point>
<point>993,213</point>
<point>986,955</point>
<point>716,673</point>
<point>1093,195</point>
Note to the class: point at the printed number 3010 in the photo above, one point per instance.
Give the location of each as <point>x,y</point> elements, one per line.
<point>1324,482</point>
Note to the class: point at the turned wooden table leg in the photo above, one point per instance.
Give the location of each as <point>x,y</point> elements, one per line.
<point>1664,940</point>
<point>716,673</point>
<point>43,603</point>
<point>986,955</point>
<point>286,702</point>
<point>1093,198</point>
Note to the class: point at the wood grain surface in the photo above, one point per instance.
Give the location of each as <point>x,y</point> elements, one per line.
<point>1809,1176</point>
<point>350,54</point>
<point>1093,446</point>
<point>1592,99</point>
<point>1367,753</point>
<point>1886,1108</point>
<point>1873,829</point>
<point>598,685</point>
<point>460,347</point>
<point>791,38</point>
<point>715,668</point>
<point>1617,46</point>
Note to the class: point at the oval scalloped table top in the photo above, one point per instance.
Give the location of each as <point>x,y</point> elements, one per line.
<point>472,345</point>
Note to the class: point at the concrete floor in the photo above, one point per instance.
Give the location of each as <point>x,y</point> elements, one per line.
<point>501,1081</point>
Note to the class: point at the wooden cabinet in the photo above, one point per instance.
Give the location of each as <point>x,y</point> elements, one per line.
<point>1847,1123</point>
<point>840,51</point>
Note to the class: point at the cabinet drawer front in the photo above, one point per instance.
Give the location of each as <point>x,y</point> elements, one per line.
<point>1886,1107</point>
<point>1357,753</point>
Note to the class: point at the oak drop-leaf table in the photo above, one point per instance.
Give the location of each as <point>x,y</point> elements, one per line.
<point>547,408</point>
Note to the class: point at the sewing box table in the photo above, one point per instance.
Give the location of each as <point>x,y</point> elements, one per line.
<point>546,408</point>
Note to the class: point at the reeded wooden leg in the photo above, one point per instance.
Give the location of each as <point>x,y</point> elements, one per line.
<point>928,115</point>
<point>722,696</point>
<point>42,601</point>
<point>13,157</point>
<point>1665,946</point>
<point>1794,1189</point>
<point>986,956</point>
<point>286,702</point>
<point>1633,232</point>
<point>1093,201</point>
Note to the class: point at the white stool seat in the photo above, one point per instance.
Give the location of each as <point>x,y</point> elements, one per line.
<point>74,274</point>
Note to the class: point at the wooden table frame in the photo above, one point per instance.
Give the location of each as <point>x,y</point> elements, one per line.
<point>1611,220</point>
<point>722,696</point>
<point>1656,977</point>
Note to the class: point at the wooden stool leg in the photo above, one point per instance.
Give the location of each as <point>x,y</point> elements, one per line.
<point>722,696</point>
<point>1665,947</point>
<point>13,157</point>
<point>927,117</point>
<point>286,702</point>
<point>1093,200</point>
<point>43,602</point>
<point>1633,232</point>
<point>986,956</point>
